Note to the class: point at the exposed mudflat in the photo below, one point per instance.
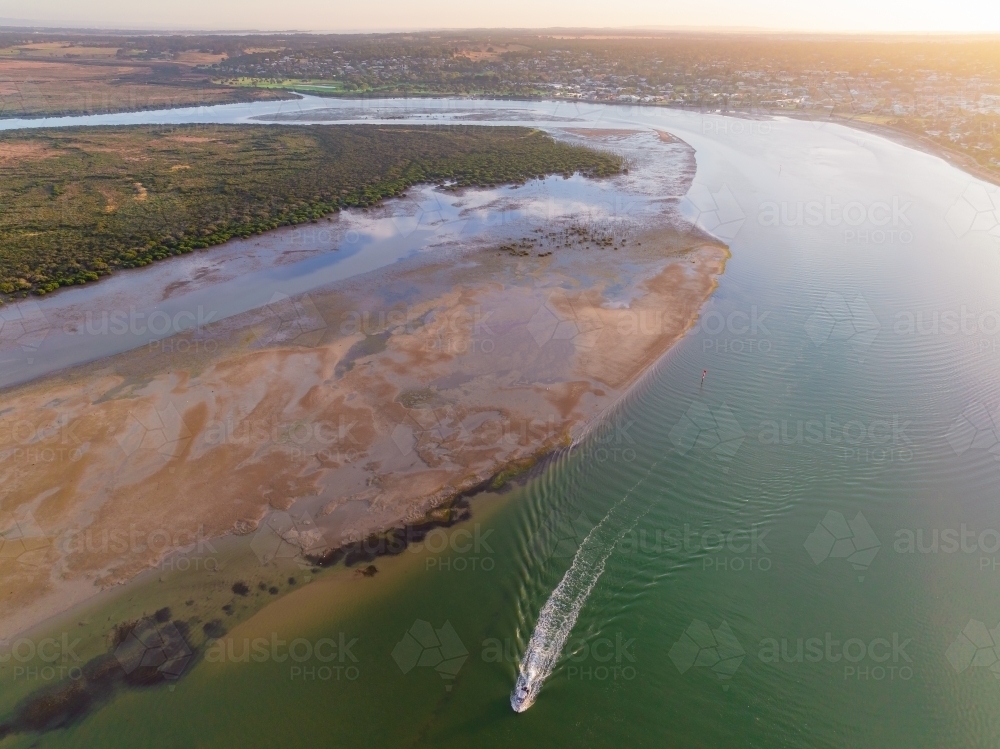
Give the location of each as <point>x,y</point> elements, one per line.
<point>360,404</point>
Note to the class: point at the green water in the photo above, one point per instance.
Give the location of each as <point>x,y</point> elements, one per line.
<point>682,643</point>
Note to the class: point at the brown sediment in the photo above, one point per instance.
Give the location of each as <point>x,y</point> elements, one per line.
<point>348,398</point>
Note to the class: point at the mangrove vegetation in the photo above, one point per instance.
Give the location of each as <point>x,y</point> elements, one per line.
<point>78,203</point>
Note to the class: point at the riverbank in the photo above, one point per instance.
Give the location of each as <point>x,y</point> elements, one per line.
<point>922,143</point>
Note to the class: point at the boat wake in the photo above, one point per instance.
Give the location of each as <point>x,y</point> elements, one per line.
<point>559,614</point>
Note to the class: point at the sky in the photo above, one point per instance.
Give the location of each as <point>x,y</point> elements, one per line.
<point>979,16</point>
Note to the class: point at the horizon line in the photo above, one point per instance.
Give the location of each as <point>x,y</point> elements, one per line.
<point>8,25</point>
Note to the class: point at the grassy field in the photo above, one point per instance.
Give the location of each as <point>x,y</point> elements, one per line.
<point>36,88</point>
<point>59,78</point>
<point>290,84</point>
<point>76,203</point>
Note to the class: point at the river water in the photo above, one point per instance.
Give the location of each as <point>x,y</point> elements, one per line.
<point>802,551</point>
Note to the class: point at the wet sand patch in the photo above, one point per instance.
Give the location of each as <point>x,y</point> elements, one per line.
<point>413,405</point>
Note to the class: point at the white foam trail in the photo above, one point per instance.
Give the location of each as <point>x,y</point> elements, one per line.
<point>559,614</point>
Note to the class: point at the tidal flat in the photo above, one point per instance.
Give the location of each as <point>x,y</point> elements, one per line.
<point>333,425</point>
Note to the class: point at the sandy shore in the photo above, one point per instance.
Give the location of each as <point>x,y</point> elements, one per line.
<point>923,143</point>
<point>360,410</point>
<point>354,409</point>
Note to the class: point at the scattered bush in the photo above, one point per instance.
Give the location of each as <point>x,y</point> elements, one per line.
<point>72,210</point>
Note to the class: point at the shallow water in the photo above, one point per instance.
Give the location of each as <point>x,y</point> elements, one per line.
<point>852,374</point>
<point>140,308</point>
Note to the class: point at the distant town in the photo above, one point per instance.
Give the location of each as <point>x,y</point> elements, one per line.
<point>948,91</point>
<point>945,90</point>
